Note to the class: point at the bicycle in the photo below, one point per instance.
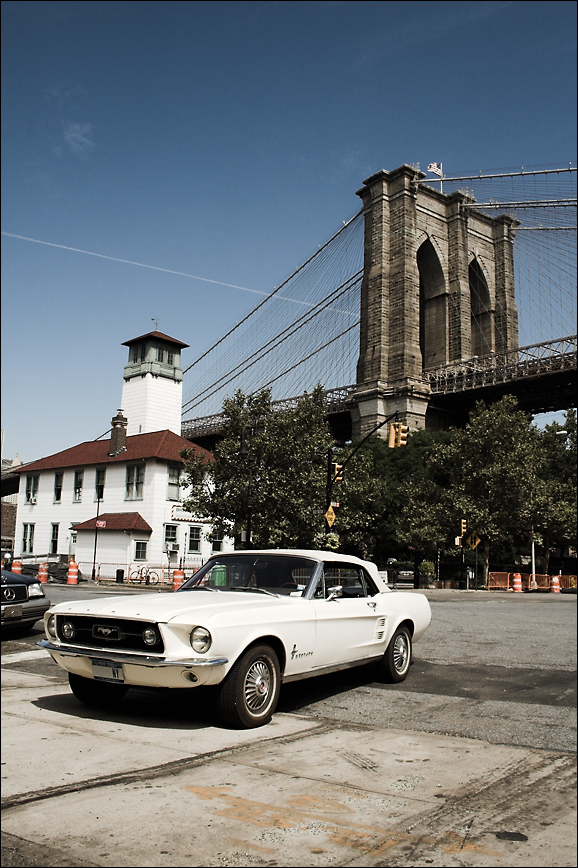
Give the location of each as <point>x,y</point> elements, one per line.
<point>144,575</point>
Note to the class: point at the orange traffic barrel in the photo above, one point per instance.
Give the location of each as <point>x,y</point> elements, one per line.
<point>72,573</point>
<point>517,582</point>
<point>178,579</point>
<point>17,566</point>
<point>554,585</point>
<point>43,573</point>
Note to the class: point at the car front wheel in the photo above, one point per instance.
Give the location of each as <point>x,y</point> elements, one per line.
<point>395,663</point>
<point>250,692</point>
<point>96,693</point>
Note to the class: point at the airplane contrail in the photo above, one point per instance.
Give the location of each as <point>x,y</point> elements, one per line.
<point>131,262</point>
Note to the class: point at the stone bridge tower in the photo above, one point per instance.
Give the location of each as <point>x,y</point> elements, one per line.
<point>438,287</point>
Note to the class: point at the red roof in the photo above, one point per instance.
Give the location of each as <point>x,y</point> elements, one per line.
<point>158,336</point>
<point>164,445</point>
<point>116,521</point>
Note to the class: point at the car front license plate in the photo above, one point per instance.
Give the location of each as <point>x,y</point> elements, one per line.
<point>102,670</point>
<point>12,612</point>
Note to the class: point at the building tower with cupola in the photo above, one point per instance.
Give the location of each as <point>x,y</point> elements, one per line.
<point>152,393</point>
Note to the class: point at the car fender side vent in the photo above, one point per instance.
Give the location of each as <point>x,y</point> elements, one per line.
<point>380,628</point>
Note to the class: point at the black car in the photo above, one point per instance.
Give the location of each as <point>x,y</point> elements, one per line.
<point>23,601</point>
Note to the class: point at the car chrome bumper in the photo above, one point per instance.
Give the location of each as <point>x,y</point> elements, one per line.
<point>127,657</point>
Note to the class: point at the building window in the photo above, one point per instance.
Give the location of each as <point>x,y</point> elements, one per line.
<point>217,545</point>
<point>27,538</point>
<point>58,477</point>
<point>31,489</point>
<point>78,480</point>
<point>170,533</point>
<point>160,354</point>
<point>54,540</point>
<point>134,481</point>
<point>170,357</point>
<point>99,483</point>
<point>173,487</point>
<point>140,551</point>
<point>194,539</point>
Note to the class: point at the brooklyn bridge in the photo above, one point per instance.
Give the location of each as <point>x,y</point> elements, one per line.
<point>435,294</point>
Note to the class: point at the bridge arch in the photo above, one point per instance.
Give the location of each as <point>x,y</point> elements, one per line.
<point>481,310</point>
<point>433,306</point>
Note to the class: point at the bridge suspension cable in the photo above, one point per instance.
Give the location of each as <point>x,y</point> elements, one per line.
<point>279,336</point>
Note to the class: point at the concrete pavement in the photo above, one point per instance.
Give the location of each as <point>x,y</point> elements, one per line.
<point>159,786</point>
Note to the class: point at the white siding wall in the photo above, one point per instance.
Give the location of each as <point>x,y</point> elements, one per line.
<point>152,404</point>
<point>154,507</point>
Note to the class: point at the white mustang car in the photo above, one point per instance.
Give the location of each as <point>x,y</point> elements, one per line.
<point>247,621</point>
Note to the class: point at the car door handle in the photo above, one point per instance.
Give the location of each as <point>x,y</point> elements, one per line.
<point>372,604</point>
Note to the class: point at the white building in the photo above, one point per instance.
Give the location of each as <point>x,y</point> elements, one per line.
<point>116,503</point>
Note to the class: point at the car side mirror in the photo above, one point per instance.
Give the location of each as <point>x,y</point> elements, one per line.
<point>336,591</point>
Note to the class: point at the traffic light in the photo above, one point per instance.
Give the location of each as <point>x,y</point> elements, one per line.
<point>392,428</point>
<point>464,526</point>
<point>401,434</point>
<point>337,472</point>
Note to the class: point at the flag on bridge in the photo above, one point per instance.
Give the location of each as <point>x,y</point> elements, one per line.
<point>436,168</point>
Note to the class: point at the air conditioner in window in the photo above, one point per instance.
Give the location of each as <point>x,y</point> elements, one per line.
<point>172,547</point>
<point>31,500</point>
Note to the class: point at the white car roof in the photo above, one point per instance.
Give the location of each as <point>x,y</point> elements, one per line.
<point>314,554</point>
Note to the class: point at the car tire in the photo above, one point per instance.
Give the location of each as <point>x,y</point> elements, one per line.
<point>395,663</point>
<point>249,695</point>
<point>96,693</point>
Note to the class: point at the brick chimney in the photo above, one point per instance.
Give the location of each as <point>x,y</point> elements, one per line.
<point>118,434</point>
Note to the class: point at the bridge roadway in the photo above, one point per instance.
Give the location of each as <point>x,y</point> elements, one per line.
<point>542,377</point>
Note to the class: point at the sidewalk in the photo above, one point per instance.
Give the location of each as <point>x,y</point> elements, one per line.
<point>164,786</point>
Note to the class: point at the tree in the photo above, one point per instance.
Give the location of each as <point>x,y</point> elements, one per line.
<point>488,473</point>
<point>369,498</point>
<point>287,459</point>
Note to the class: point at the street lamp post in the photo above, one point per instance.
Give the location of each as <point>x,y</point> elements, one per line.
<point>99,493</point>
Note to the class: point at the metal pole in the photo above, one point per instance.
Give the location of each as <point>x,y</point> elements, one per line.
<point>98,499</point>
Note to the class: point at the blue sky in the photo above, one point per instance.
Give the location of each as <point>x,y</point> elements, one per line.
<point>225,141</point>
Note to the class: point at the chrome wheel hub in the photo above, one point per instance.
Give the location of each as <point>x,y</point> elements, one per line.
<point>257,685</point>
<point>400,652</point>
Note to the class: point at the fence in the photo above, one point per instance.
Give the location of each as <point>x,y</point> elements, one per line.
<point>538,582</point>
<point>138,573</point>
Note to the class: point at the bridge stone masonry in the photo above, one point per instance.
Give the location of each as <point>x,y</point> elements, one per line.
<point>438,288</point>
<point>436,307</point>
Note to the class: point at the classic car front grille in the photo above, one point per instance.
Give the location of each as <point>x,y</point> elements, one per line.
<point>14,593</point>
<point>116,634</point>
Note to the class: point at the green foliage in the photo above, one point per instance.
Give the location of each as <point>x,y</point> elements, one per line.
<point>511,482</point>
<point>289,471</point>
<point>497,473</point>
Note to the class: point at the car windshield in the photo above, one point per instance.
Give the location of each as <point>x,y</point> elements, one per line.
<point>277,574</point>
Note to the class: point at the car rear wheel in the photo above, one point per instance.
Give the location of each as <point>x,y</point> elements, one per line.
<point>395,663</point>
<point>250,692</point>
<point>96,693</point>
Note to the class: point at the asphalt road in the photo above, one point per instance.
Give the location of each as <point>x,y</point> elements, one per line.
<point>495,670</point>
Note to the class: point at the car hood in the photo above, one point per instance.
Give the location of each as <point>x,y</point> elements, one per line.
<point>165,607</point>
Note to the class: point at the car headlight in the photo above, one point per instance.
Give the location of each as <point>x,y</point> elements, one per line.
<point>51,627</point>
<point>150,636</point>
<point>68,630</point>
<point>35,590</point>
<point>200,640</point>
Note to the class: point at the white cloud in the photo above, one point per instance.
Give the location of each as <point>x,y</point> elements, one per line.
<point>78,137</point>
